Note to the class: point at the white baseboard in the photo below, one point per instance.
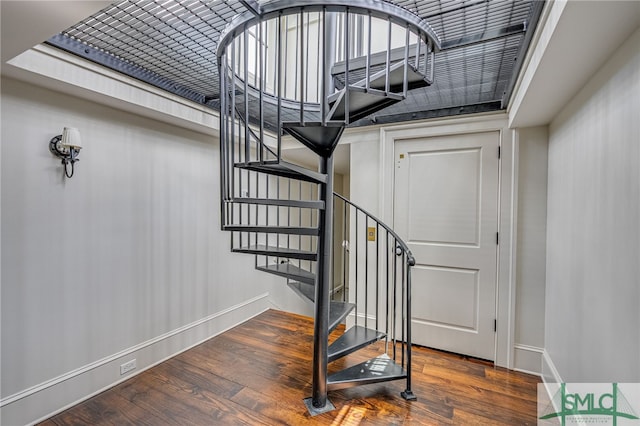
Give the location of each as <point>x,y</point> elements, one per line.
<point>527,359</point>
<point>49,398</point>
<point>551,382</point>
<point>361,318</point>
<point>549,372</point>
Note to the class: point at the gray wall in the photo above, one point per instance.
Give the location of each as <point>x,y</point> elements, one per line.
<point>592,320</point>
<point>125,260</point>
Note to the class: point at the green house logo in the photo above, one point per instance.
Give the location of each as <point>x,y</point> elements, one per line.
<point>587,407</point>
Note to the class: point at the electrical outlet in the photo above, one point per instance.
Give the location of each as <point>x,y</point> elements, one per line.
<point>127,366</point>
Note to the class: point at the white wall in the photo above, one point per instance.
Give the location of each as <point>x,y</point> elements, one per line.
<point>592,320</point>
<point>125,260</point>
<point>531,248</point>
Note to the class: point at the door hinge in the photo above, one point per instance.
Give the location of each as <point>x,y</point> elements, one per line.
<point>499,152</point>
<point>495,325</point>
<point>497,238</point>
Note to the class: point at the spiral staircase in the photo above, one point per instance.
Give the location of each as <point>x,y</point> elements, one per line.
<point>305,70</point>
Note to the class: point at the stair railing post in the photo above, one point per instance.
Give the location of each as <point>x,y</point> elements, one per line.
<point>328,58</point>
<point>222,72</point>
<point>408,393</point>
<point>324,266</point>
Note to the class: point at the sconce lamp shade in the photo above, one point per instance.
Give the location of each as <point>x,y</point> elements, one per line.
<point>71,138</point>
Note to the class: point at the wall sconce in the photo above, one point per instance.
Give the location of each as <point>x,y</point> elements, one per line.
<point>67,146</point>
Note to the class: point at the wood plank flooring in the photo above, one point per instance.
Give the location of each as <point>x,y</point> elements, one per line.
<point>259,372</point>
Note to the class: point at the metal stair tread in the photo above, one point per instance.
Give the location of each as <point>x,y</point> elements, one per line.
<point>396,78</point>
<point>361,104</point>
<point>373,93</point>
<point>353,339</point>
<point>319,137</point>
<point>284,169</point>
<point>304,289</point>
<point>309,204</point>
<point>291,230</point>
<point>379,369</point>
<point>338,311</point>
<point>379,93</point>
<point>377,81</point>
<point>290,271</point>
<point>274,251</point>
<point>329,123</point>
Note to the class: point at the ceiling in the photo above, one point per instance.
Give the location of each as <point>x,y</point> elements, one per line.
<point>172,45</point>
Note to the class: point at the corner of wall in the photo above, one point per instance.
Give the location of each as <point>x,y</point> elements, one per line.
<point>530,276</point>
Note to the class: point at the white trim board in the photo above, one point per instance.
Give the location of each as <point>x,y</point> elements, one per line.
<point>527,359</point>
<point>549,375</point>
<point>53,396</point>
<point>63,72</point>
<point>505,303</point>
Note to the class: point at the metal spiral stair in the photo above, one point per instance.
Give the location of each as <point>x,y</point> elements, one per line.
<point>286,214</point>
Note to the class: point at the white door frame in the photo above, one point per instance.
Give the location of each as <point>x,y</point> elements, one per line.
<point>507,205</point>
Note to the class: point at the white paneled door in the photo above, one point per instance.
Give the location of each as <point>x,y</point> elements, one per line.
<point>446,209</point>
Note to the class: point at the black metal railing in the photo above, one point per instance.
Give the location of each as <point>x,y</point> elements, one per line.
<point>375,264</point>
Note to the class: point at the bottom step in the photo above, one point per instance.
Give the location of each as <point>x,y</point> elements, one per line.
<point>379,369</point>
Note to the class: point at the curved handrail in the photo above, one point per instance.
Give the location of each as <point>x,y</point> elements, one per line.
<point>275,7</point>
<point>411,261</point>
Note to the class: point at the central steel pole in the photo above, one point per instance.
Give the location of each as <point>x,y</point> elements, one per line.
<point>318,402</point>
<point>323,285</point>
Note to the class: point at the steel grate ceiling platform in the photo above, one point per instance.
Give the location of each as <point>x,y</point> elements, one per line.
<point>171,44</point>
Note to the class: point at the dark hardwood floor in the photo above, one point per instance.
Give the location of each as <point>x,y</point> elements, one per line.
<point>259,373</point>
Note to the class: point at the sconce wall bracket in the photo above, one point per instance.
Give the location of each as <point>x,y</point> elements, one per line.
<point>56,149</point>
